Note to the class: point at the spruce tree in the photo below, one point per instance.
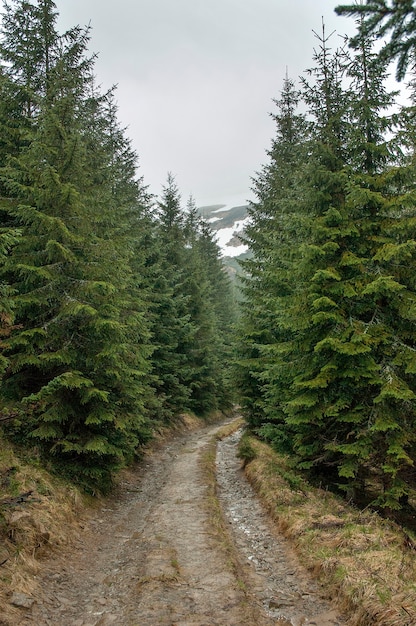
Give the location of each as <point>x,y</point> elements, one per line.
<point>273,237</point>
<point>190,334</point>
<point>8,238</point>
<point>202,354</point>
<point>327,352</point>
<point>222,300</point>
<point>312,314</point>
<point>349,402</point>
<point>379,434</point>
<point>78,362</point>
<point>172,330</point>
<point>28,47</point>
<point>212,314</point>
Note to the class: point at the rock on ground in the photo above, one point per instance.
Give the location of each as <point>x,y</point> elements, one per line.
<point>149,556</point>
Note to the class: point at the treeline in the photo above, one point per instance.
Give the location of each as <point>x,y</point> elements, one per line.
<point>115,311</point>
<point>327,350</point>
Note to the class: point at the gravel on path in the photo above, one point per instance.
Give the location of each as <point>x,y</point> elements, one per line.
<point>149,556</point>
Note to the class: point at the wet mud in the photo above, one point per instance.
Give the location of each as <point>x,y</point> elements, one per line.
<point>150,557</point>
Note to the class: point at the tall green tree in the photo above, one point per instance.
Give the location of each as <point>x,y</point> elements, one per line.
<point>172,328</point>
<point>305,318</point>
<point>333,360</point>
<point>78,360</point>
<point>28,49</point>
<point>191,351</point>
<point>222,300</point>
<point>212,315</point>
<point>379,434</point>
<point>202,351</point>
<point>8,238</point>
<point>268,275</point>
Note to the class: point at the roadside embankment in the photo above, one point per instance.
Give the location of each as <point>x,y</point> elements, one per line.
<point>364,561</point>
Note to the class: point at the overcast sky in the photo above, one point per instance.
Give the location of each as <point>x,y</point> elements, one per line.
<point>196,80</point>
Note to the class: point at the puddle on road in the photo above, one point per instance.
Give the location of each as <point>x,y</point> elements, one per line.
<point>281,586</point>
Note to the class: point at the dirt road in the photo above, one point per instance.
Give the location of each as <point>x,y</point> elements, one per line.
<point>151,558</point>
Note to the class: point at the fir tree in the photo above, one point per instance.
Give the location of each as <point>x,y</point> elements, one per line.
<point>8,238</point>
<point>312,314</point>
<point>273,234</point>
<point>28,48</point>
<point>379,433</point>
<point>348,386</point>
<point>212,314</point>
<point>190,338</point>
<point>79,360</point>
<point>172,329</point>
<point>222,300</point>
<point>202,353</point>
<point>326,359</point>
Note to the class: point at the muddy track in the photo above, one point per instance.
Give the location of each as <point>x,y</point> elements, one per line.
<point>151,557</point>
<point>274,575</point>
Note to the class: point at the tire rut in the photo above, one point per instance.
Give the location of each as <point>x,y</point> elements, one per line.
<point>149,557</point>
<point>274,574</point>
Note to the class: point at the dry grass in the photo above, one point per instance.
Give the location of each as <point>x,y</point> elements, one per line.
<point>184,423</point>
<point>361,559</point>
<point>229,428</point>
<point>31,528</point>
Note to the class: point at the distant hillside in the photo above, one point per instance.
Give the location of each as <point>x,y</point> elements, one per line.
<point>228,223</point>
<point>220,216</point>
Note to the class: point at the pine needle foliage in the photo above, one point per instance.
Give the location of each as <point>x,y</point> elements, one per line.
<point>326,356</point>
<point>191,300</point>
<point>381,17</point>
<point>78,358</point>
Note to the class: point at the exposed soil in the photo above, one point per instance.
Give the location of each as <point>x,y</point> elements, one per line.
<point>150,556</point>
<point>276,578</point>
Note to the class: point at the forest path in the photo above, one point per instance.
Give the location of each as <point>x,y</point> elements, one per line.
<point>150,556</point>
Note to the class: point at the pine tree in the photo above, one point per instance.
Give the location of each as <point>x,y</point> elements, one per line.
<point>350,385</point>
<point>379,433</point>
<point>8,238</point>
<point>209,296</point>
<point>78,362</point>
<point>27,36</point>
<point>222,300</point>
<point>29,43</point>
<point>201,353</point>
<point>327,352</point>
<point>312,314</point>
<point>172,329</point>
<point>191,357</point>
<point>273,237</point>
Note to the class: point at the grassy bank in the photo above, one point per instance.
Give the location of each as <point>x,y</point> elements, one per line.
<point>367,563</point>
<point>39,513</point>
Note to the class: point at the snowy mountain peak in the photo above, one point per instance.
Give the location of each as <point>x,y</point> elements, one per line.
<point>228,223</point>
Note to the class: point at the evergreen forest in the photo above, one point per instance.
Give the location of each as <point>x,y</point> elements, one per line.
<point>327,348</point>
<point>117,315</point>
<point>115,310</point>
